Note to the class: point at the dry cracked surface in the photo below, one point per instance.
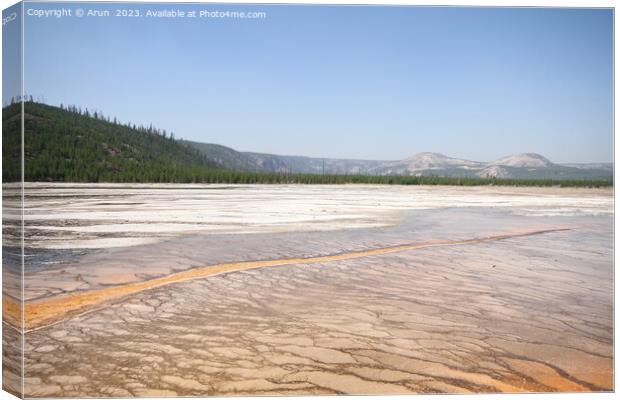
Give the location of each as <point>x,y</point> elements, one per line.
<point>530,313</point>
<point>524,314</point>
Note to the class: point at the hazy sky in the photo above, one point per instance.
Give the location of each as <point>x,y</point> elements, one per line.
<point>350,82</point>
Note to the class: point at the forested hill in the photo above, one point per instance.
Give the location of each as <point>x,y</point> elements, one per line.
<point>67,144</point>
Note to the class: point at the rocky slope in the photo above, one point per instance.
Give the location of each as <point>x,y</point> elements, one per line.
<point>523,165</point>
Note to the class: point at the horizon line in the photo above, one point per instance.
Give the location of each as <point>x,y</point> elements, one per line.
<point>62,106</point>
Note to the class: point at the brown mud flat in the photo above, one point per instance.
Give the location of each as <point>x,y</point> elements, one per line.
<point>39,313</point>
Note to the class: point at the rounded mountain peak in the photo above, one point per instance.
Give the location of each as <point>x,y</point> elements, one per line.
<point>524,160</point>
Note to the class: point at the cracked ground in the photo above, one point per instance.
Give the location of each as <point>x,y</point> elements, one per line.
<point>530,313</point>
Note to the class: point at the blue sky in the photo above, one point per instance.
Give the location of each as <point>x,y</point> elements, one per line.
<point>349,82</point>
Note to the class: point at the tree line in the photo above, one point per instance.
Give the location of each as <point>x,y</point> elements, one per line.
<point>70,144</point>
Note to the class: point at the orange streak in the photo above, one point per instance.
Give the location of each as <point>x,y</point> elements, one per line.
<point>43,312</point>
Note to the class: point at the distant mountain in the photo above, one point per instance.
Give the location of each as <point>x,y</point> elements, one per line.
<point>603,166</point>
<point>310,165</point>
<point>523,165</point>
<point>524,160</point>
<point>228,158</point>
<point>494,171</point>
<point>223,156</point>
<point>428,164</point>
<point>436,160</point>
